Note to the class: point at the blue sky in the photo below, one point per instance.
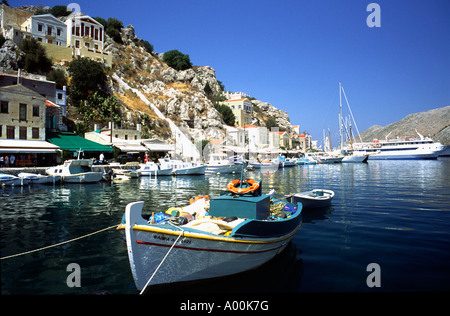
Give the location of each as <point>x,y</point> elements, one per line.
<point>293,53</point>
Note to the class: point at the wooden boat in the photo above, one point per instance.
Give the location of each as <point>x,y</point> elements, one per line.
<point>11,180</point>
<point>40,178</point>
<point>240,233</point>
<point>76,171</point>
<point>316,198</point>
<point>151,169</point>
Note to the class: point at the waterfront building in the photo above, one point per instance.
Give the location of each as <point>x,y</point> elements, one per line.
<point>242,110</point>
<point>46,29</point>
<point>11,20</point>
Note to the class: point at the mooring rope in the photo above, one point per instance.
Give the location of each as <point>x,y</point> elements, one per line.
<point>160,264</point>
<point>59,244</point>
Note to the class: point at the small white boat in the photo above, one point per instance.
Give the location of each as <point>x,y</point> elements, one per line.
<point>240,233</point>
<point>76,171</point>
<point>180,167</point>
<point>150,169</point>
<point>11,180</point>
<point>219,163</point>
<point>316,198</point>
<point>40,178</point>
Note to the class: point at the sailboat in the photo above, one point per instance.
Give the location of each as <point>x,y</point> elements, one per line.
<point>349,155</point>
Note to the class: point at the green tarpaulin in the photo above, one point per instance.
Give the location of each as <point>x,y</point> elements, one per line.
<point>72,142</point>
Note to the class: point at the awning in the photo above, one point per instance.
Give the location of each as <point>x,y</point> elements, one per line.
<point>128,148</point>
<point>156,145</point>
<point>72,142</point>
<point>27,146</point>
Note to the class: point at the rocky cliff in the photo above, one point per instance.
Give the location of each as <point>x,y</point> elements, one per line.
<point>179,95</point>
<point>433,123</point>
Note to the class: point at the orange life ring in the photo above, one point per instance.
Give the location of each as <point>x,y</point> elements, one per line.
<point>232,186</point>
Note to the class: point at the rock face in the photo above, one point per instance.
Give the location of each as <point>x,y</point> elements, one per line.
<point>433,123</point>
<point>10,55</point>
<point>179,95</point>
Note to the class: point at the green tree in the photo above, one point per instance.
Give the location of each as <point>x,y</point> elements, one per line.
<point>177,60</point>
<point>227,114</point>
<point>271,122</point>
<point>59,10</point>
<point>36,60</point>
<point>59,77</point>
<point>87,77</point>
<point>113,29</point>
<point>98,107</point>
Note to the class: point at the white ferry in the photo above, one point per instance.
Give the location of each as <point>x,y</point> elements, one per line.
<point>422,148</point>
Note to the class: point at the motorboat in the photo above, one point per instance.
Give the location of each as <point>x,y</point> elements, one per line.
<point>180,167</point>
<point>317,198</point>
<point>355,158</point>
<point>152,169</point>
<point>234,232</point>
<point>219,163</point>
<point>36,178</point>
<point>76,171</point>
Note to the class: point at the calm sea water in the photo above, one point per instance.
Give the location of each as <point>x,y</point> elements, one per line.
<point>393,213</point>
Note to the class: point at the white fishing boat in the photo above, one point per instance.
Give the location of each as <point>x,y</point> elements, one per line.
<point>219,163</point>
<point>355,158</point>
<point>11,180</point>
<point>40,178</point>
<point>76,171</point>
<point>150,169</point>
<point>180,167</point>
<point>317,198</point>
<point>239,234</point>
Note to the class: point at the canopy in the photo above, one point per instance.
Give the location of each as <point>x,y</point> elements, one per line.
<point>72,142</point>
<point>27,146</point>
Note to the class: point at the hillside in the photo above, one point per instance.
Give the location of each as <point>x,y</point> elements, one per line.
<point>433,123</point>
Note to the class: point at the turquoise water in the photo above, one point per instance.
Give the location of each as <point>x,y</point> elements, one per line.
<point>393,213</point>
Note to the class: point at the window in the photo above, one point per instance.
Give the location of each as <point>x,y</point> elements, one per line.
<point>87,45</point>
<point>22,112</point>
<point>10,132</point>
<point>35,132</point>
<point>22,132</point>
<point>35,110</point>
<point>4,106</point>
<point>77,44</point>
<point>58,31</point>
<point>40,27</point>
<point>49,30</point>
<point>60,96</point>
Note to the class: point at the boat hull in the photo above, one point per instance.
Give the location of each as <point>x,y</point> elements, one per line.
<point>196,170</point>
<point>224,169</point>
<point>357,159</point>
<point>87,177</point>
<point>194,255</point>
<point>160,172</point>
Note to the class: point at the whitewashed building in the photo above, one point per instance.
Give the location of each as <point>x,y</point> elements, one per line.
<point>46,29</point>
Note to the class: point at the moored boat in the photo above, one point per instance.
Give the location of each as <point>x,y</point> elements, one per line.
<point>150,169</point>
<point>219,163</point>
<point>40,178</point>
<point>11,180</point>
<point>180,167</point>
<point>317,198</point>
<point>76,171</point>
<point>234,232</point>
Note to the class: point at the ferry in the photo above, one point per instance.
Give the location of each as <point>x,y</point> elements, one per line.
<point>421,148</point>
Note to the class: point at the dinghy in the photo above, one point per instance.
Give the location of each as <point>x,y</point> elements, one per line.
<point>313,199</point>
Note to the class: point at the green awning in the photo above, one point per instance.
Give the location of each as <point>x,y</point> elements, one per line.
<point>72,142</point>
